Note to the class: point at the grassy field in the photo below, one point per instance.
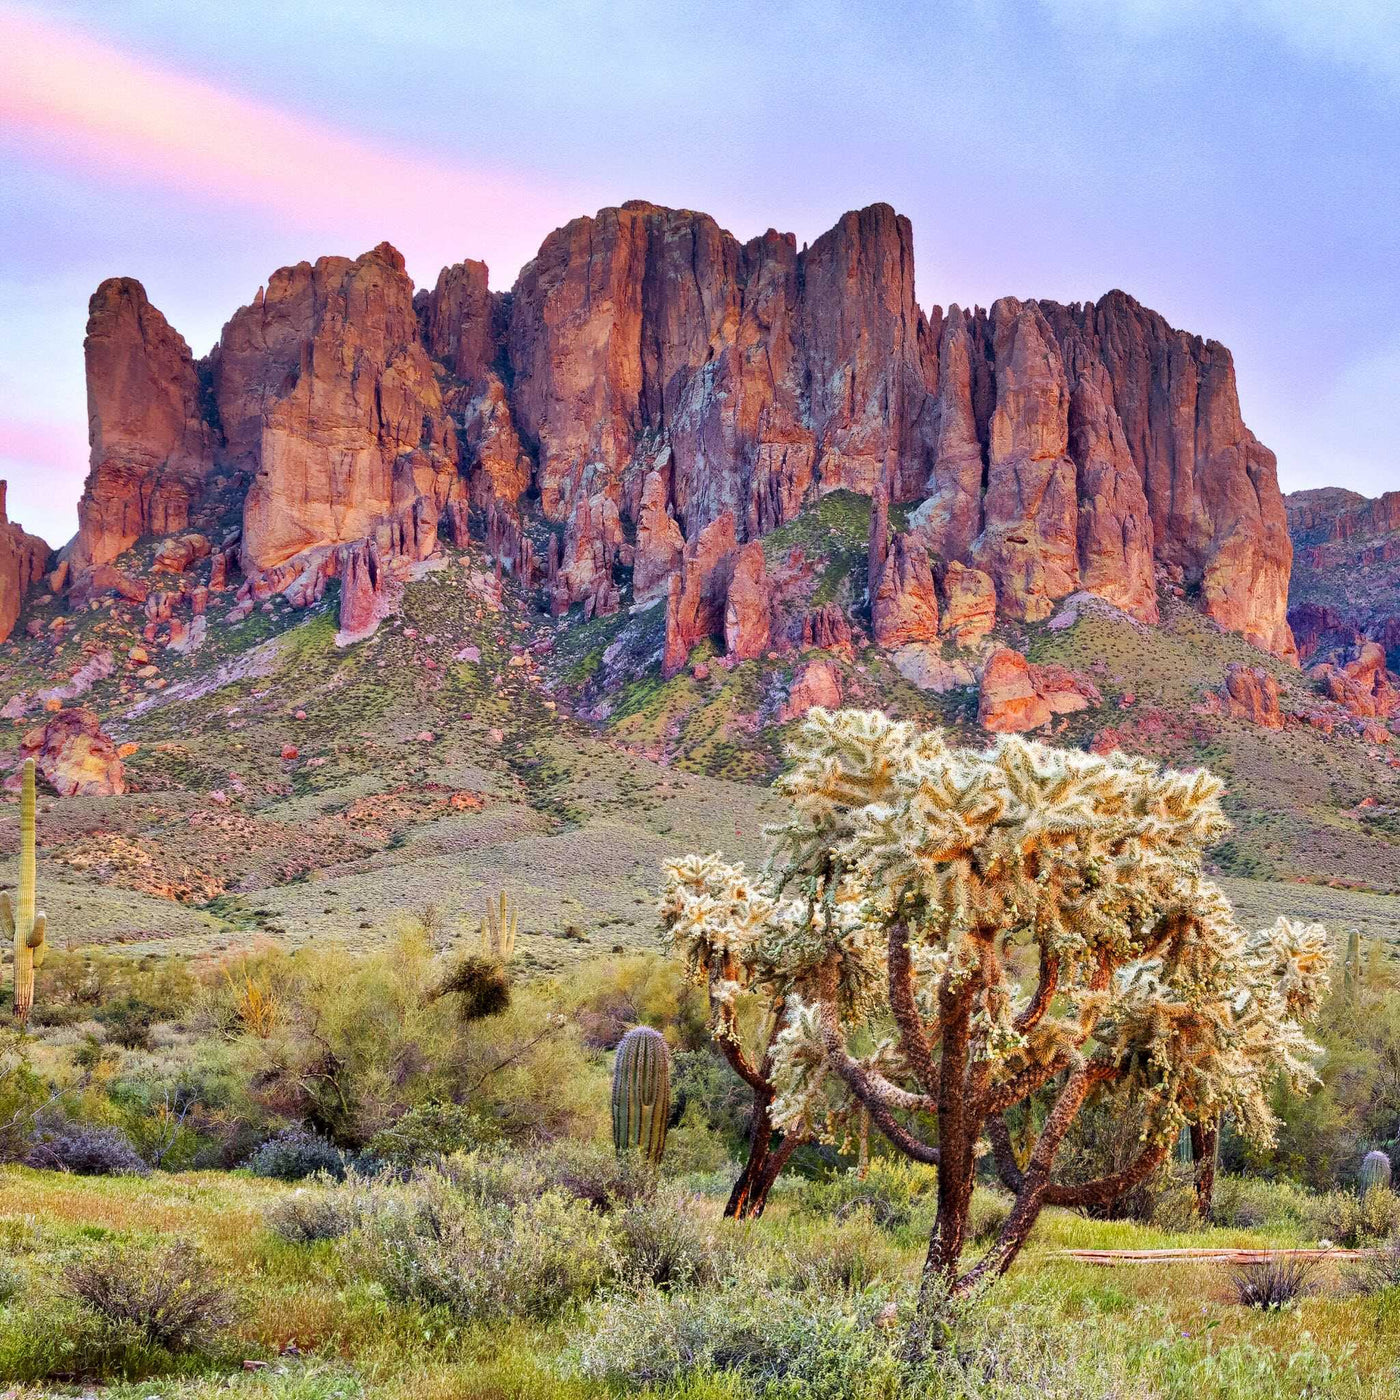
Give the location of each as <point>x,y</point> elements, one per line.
<point>316,1323</point>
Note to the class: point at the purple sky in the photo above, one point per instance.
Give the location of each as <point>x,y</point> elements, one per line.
<point>1231,163</point>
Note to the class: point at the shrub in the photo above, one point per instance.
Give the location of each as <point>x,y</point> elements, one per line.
<point>1253,1203</point>
<point>432,1130</point>
<point>1378,1271</point>
<point>296,1153</point>
<point>129,1020</point>
<point>988,1213</point>
<point>170,1296</point>
<point>61,1145</point>
<point>481,987</point>
<point>891,1192</point>
<point>844,1257</point>
<point>597,1175</point>
<point>488,1262</point>
<point>1271,1282</point>
<point>661,1242</point>
<point>308,1216</point>
<point>1353,1221</point>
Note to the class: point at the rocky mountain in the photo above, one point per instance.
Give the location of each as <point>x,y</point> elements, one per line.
<point>448,579</point>
<point>649,376</point>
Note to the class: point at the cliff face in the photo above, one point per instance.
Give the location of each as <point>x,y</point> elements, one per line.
<point>1346,575</point>
<point>148,427</point>
<point>648,376</point>
<point>23,559</point>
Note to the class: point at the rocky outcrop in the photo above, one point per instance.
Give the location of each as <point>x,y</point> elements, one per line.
<point>698,592</point>
<point>150,438</point>
<point>1251,693</point>
<point>355,428</point>
<point>74,756</point>
<point>1363,684</point>
<point>1016,696</point>
<point>904,605</point>
<point>817,683</point>
<point>969,605</point>
<point>23,561</point>
<point>649,375</point>
<point>747,620</point>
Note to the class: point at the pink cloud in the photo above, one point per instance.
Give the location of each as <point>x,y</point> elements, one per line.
<point>60,446</point>
<point>84,102</point>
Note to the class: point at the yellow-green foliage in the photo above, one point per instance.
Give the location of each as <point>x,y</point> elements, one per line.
<point>25,925</point>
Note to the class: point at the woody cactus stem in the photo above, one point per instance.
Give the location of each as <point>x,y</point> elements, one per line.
<point>26,927</point>
<point>498,927</point>
<point>641,1094</point>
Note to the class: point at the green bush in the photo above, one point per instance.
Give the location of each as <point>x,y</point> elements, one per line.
<point>312,1214</point>
<point>1353,1221</point>
<point>296,1153</point>
<point>891,1192</point>
<point>169,1297</point>
<point>432,1130</point>
<point>483,1263</point>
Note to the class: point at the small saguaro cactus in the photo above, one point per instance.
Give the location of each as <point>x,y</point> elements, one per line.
<point>498,927</point>
<point>641,1093</point>
<point>1353,974</point>
<point>26,927</point>
<point>1375,1171</point>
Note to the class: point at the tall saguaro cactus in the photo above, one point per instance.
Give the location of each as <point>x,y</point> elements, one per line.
<point>641,1095</point>
<point>26,927</point>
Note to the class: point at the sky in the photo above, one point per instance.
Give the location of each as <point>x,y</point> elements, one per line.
<point>1231,163</point>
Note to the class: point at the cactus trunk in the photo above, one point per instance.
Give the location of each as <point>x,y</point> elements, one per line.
<point>25,925</point>
<point>1375,1171</point>
<point>641,1095</point>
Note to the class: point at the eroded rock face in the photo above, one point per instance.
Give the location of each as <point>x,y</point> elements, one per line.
<point>151,443</point>
<point>747,623</point>
<point>969,605</point>
<point>1016,696</point>
<point>23,560</point>
<point>904,607</point>
<point>74,756</point>
<point>650,375</point>
<point>698,592</point>
<point>356,428</point>
<point>817,684</point>
<point>1251,693</point>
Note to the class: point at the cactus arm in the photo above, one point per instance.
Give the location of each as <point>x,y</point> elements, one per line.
<point>36,936</point>
<point>7,915</point>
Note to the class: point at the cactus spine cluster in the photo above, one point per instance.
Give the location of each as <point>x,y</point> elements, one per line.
<point>1375,1171</point>
<point>498,927</point>
<point>26,927</point>
<point>641,1094</point>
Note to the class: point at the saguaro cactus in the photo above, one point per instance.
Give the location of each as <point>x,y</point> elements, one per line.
<point>26,927</point>
<point>1353,974</point>
<point>641,1094</point>
<point>1375,1171</point>
<point>498,927</point>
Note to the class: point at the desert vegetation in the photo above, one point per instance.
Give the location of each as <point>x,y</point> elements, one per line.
<point>428,1170</point>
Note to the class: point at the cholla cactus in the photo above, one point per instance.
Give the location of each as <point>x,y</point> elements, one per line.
<point>641,1093</point>
<point>25,926</point>
<point>1375,1171</point>
<point>498,927</point>
<point>930,883</point>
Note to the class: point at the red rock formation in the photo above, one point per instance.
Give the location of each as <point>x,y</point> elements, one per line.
<point>828,629</point>
<point>904,607</point>
<point>151,446</point>
<point>952,516</point>
<point>23,560</point>
<point>1029,542</point>
<point>1251,693</point>
<point>325,388</point>
<point>74,756</point>
<point>361,592</point>
<point>747,624</point>
<point>1017,696</point>
<point>457,319</point>
<point>1362,684</point>
<point>659,539</point>
<point>969,605</point>
<point>695,602</point>
<point>817,683</point>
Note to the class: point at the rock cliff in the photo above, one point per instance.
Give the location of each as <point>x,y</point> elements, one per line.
<point>654,396</point>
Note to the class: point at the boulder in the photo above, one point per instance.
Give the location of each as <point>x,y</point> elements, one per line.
<point>1251,693</point>
<point>74,756</point>
<point>1016,696</point>
<point>817,683</point>
<point>969,605</point>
